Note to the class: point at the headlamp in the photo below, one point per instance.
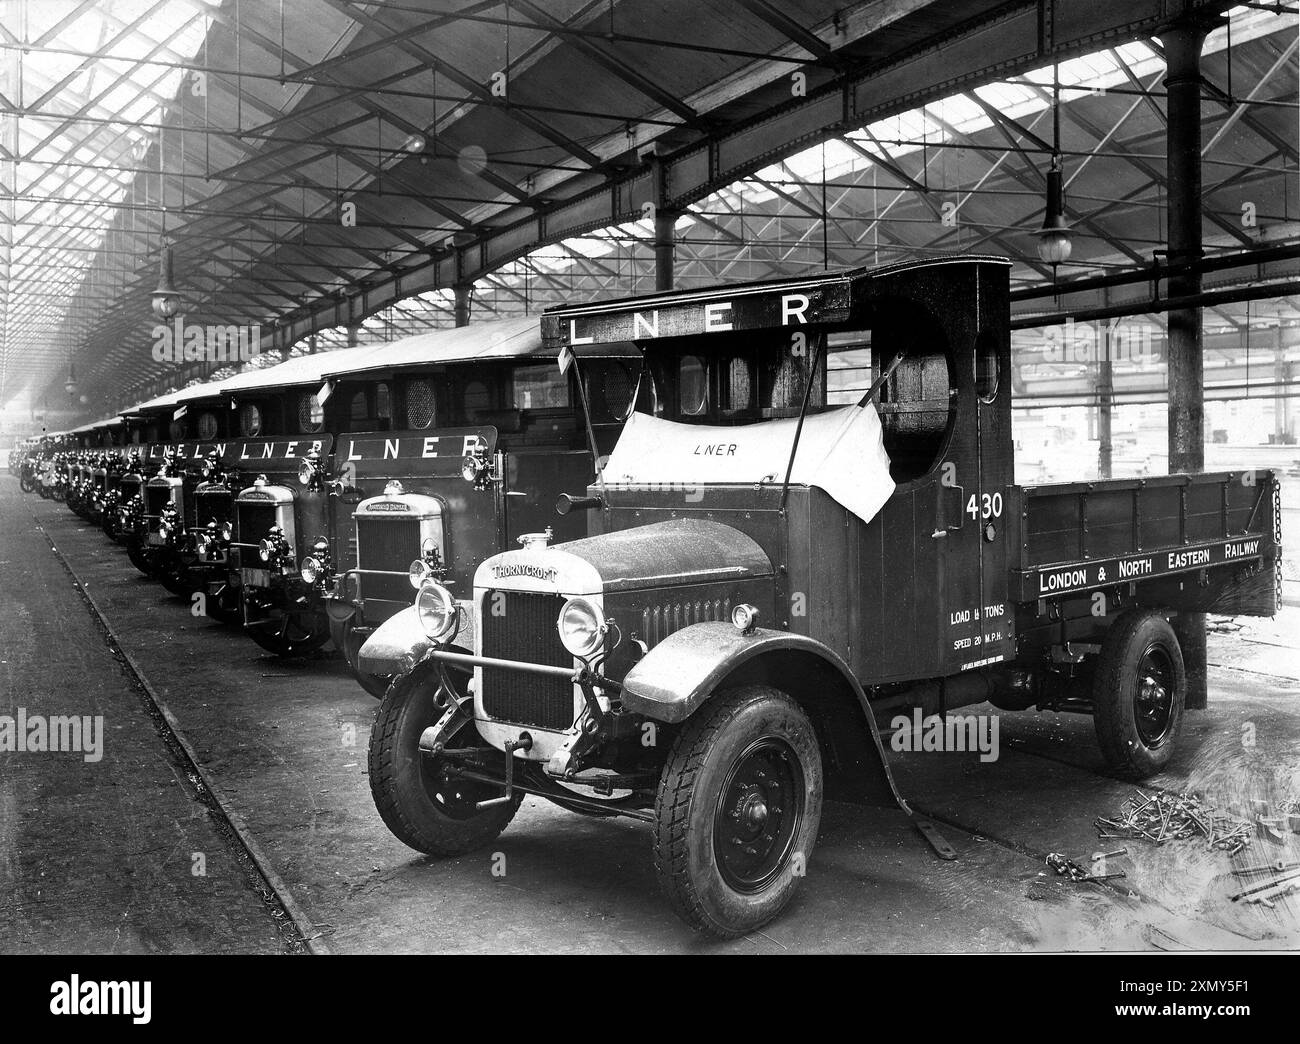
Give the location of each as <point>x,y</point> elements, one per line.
<point>580,626</point>
<point>311,569</point>
<point>436,610</point>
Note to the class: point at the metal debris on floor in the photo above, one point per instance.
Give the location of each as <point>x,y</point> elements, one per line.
<point>1162,817</point>
<point>1066,867</point>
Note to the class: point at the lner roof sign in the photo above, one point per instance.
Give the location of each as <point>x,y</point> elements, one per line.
<point>720,310</point>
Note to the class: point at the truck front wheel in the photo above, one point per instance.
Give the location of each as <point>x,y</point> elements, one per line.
<point>1138,694</point>
<point>737,810</point>
<point>418,796</point>
<point>343,633</point>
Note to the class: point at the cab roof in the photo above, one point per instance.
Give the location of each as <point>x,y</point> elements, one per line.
<point>827,297</point>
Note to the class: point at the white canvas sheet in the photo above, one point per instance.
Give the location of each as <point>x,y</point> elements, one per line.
<point>841,452</point>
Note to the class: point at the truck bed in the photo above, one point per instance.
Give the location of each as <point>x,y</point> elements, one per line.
<point>1222,528</point>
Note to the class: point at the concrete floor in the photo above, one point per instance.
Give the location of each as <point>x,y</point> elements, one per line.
<point>285,741</point>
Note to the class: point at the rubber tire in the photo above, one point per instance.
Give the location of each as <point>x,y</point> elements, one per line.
<point>343,635</point>
<point>174,580</point>
<point>269,639</point>
<point>687,799</point>
<point>27,484</point>
<point>396,768</point>
<point>223,616</point>
<point>1114,688</point>
<point>136,552</point>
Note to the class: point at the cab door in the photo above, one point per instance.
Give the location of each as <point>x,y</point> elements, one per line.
<point>975,480</point>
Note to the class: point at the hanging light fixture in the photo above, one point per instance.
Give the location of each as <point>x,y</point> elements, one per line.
<point>166,301</point>
<point>70,385</point>
<point>1054,243</point>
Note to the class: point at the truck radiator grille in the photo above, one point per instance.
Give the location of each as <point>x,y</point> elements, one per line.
<point>384,543</point>
<point>524,629</point>
<point>255,522</point>
<point>659,621</point>
<point>156,499</point>
<point>212,507</point>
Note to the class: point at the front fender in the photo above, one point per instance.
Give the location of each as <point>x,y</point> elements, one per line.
<point>399,643</point>
<point>671,681</point>
<point>679,674</point>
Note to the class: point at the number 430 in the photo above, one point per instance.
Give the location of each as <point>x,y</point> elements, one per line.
<point>984,505</point>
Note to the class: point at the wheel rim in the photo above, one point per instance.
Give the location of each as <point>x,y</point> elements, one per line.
<point>759,812</point>
<point>457,798</point>
<point>1153,700</point>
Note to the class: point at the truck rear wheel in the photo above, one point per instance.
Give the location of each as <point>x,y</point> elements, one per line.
<point>416,797</point>
<point>1138,694</point>
<point>737,811</point>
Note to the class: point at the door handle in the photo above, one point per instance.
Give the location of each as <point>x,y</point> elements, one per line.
<point>942,530</point>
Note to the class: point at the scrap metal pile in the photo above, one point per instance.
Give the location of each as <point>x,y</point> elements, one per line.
<point>1162,817</point>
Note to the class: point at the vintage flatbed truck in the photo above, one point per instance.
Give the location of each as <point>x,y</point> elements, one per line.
<point>811,520</point>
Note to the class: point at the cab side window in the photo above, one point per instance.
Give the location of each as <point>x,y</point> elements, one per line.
<point>917,403</point>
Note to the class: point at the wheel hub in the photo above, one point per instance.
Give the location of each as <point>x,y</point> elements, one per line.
<point>759,812</point>
<point>1153,701</point>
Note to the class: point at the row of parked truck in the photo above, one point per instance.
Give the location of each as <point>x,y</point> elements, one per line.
<point>673,557</point>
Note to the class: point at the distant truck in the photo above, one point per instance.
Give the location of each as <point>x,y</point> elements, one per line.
<point>810,520</point>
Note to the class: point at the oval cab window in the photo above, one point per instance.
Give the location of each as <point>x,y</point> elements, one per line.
<point>207,426</point>
<point>419,403</point>
<point>250,420</point>
<point>311,414</point>
<point>692,379</point>
<point>986,366</point>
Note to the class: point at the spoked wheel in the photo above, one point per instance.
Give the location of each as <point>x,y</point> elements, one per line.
<point>346,639</point>
<point>290,634</point>
<point>108,523</point>
<point>1139,693</point>
<point>28,483</point>
<point>140,558</point>
<point>418,797</point>
<point>737,810</point>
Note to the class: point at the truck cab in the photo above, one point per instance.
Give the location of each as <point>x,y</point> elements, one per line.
<point>810,521</point>
<point>487,432</point>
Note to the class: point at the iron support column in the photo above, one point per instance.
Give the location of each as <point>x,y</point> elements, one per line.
<point>1182,46</point>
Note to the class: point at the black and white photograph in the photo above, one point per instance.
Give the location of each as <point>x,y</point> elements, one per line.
<point>650,477</point>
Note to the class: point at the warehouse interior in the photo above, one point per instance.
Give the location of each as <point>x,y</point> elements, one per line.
<point>332,174</point>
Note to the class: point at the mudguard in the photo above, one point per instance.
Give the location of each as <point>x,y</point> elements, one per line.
<point>675,678</point>
<point>399,643</point>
